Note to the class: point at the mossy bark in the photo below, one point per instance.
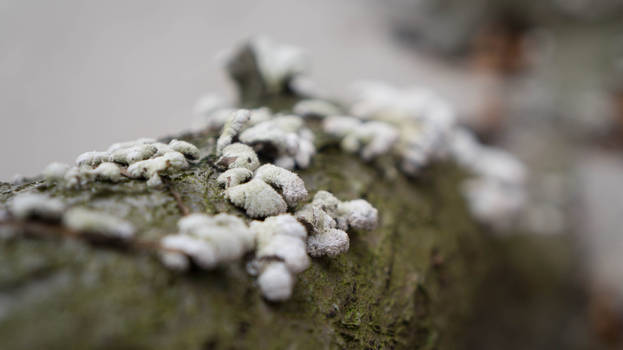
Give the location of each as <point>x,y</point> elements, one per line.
<point>407,284</point>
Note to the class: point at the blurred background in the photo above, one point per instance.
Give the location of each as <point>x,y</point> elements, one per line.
<point>543,79</point>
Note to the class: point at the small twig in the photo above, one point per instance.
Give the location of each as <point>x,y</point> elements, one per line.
<point>178,199</point>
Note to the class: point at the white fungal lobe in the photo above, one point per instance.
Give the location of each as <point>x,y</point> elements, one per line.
<point>92,158</point>
<point>257,198</point>
<point>291,185</point>
<point>91,221</point>
<point>232,128</point>
<point>145,158</point>
<point>288,136</point>
<point>280,254</point>
<point>315,108</point>
<point>55,171</point>
<point>371,139</point>
<point>277,63</point>
<point>189,150</point>
<point>133,154</point>
<point>207,240</point>
<point>35,206</point>
<point>238,155</point>
<point>234,177</point>
<point>327,219</point>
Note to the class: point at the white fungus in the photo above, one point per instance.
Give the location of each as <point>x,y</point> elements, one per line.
<point>327,219</point>
<point>35,206</point>
<point>55,171</point>
<point>238,155</point>
<point>189,150</point>
<point>290,185</point>
<point>92,158</point>
<point>133,153</point>
<point>207,240</point>
<point>315,108</point>
<point>234,177</point>
<point>108,172</point>
<point>276,63</point>
<point>324,238</point>
<point>371,139</point>
<point>286,136</point>
<point>232,128</point>
<point>280,254</point>
<point>127,144</point>
<point>276,282</point>
<point>257,198</point>
<point>91,221</point>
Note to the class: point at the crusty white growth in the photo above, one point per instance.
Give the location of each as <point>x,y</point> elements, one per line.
<point>358,213</point>
<point>33,205</point>
<point>371,139</point>
<point>424,120</point>
<point>232,128</point>
<point>281,237</point>
<point>280,254</point>
<point>151,169</point>
<point>493,202</point>
<point>324,238</point>
<point>238,155</point>
<point>277,63</point>
<point>257,198</point>
<point>92,158</point>
<point>108,172</point>
<point>189,150</point>
<point>133,154</point>
<point>496,194</point>
<point>214,119</point>
<point>276,282</point>
<point>290,185</point>
<point>91,221</point>
<point>234,177</point>
<point>495,163</point>
<point>127,144</point>
<point>327,219</point>
<point>55,171</point>
<point>207,240</point>
<point>315,108</point>
<point>287,135</point>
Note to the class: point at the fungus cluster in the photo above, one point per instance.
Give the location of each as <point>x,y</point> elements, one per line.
<point>496,194</point>
<point>140,159</point>
<point>327,219</point>
<point>419,127</point>
<point>261,192</point>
